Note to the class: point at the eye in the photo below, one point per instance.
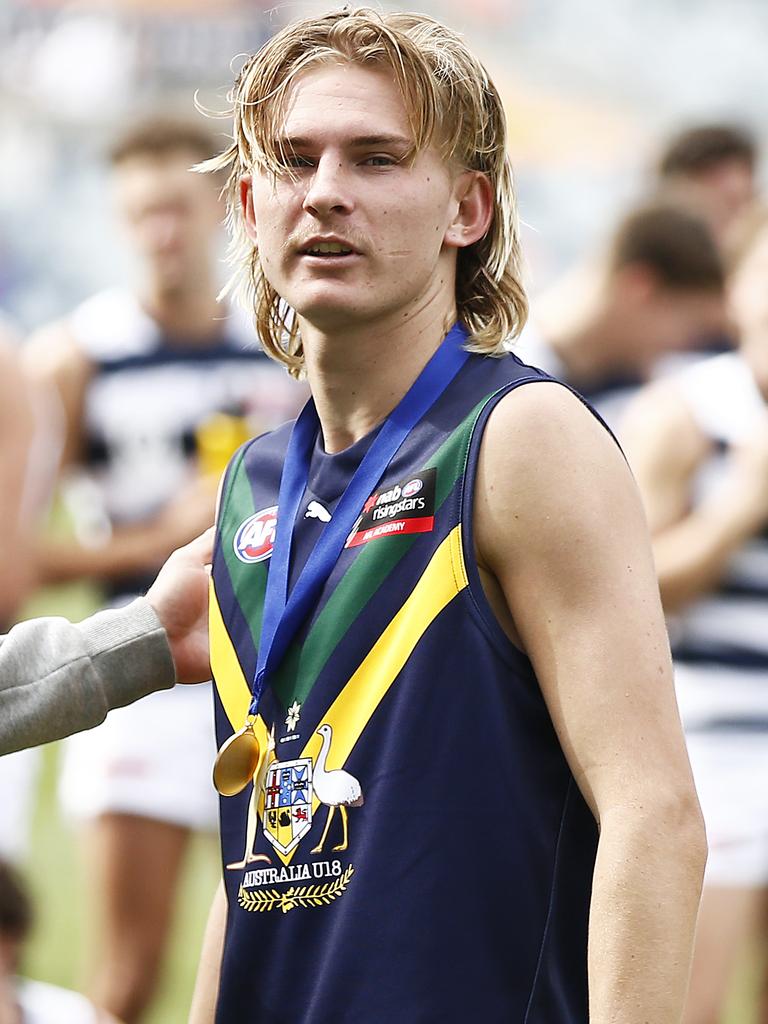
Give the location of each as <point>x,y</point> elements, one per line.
<point>296,161</point>
<point>380,160</point>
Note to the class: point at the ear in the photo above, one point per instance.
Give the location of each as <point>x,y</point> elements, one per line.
<point>246,203</point>
<point>473,195</point>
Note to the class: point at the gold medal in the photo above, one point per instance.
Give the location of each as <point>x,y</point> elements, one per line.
<point>237,761</point>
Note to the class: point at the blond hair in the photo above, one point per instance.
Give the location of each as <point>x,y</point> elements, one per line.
<point>450,101</point>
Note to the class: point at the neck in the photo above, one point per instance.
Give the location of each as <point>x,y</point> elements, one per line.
<point>359,373</point>
<point>187,311</point>
<point>587,333</point>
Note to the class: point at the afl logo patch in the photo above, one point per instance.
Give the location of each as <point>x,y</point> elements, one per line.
<point>412,487</point>
<point>255,537</point>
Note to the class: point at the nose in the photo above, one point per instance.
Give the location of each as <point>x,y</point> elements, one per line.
<point>328,188</point>
<point>162,232</point>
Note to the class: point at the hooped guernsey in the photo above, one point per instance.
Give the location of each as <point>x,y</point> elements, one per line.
<point>413,848</point>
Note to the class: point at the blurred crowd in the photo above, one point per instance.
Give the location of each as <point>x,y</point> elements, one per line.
<point>121,412</point>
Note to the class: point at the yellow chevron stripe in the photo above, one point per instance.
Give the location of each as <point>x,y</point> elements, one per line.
<point>441,581</point>
<point>233,690</point>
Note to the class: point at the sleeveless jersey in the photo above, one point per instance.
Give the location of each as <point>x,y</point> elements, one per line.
<point>150,396</point>
<point>455,886</point>
<point>723,635</point>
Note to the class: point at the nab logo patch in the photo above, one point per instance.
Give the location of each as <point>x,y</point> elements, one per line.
<point>403,508</point>
<point>255,537</point>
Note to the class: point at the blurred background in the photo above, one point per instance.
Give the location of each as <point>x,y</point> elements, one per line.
<point>593,90</point>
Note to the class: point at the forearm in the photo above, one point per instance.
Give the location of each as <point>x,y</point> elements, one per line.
<point>130,551</point>
<point>691,556</point>
<point>206,992</point>
<point>645,897</point>
<point>57,678</point>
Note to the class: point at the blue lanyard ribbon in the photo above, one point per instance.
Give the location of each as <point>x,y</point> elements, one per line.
<point>283,616</point>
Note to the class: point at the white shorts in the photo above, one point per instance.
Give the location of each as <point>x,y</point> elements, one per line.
<point>152,759</point>
<point>18,779</point>
<point>731,774</point>
<point>730,768</point>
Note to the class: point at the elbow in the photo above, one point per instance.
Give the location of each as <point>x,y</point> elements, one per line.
<point>692,833</point>
<point>679,824</point>
<point>667,819</point>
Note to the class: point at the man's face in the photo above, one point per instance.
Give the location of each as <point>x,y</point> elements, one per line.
<point>721,193</point>
<point>357,233</point>
<point>171,216</point>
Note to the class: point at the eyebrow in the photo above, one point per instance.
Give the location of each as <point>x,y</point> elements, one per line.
<point>358,142</point>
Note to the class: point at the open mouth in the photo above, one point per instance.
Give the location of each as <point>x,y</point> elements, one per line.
<point>328,250</point>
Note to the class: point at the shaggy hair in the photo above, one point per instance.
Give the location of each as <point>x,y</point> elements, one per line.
<point>451,103</point>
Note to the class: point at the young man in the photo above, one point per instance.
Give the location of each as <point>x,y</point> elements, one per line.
<point>144,375</point>
<point>473,660</point>
<point>604,327</point>
<point>698,444</point>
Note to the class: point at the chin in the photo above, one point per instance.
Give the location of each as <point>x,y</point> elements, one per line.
<point>326,311</point>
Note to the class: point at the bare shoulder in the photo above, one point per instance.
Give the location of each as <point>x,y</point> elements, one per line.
<point>551,480</point>
<point>60,371</point>
<point>547,416</point>
<point>52,352</point>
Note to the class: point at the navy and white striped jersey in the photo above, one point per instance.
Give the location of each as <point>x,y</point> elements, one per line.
<point>724,634</point>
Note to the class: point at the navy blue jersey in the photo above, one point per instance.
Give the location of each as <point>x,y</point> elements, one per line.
<point>414,848</point>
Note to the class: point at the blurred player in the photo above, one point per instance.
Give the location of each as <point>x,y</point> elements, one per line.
<point>144,376</point>
<point>32,1002</point>
<point>698,444</point>
<point>16,434</point>
<point>656,289</point>
<point>712,167</point>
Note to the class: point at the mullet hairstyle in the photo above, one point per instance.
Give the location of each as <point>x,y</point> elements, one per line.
<point>450,101</point>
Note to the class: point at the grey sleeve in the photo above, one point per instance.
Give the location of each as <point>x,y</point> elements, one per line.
<point>57,678</point>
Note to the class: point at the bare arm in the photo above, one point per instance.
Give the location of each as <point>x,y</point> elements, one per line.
<point>57,364</point>
<point>692,543</point>
<point>15,439</point>
<point>139,549</point>
<point>206,991</point>
<point>560,527</point>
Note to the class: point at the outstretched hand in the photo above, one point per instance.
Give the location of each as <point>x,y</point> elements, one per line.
<point>179,596</point>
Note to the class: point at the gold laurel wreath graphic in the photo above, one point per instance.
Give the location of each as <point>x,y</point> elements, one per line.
<point>297,896</point>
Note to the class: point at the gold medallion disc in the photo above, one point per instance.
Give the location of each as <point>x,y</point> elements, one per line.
<point>236,761</point>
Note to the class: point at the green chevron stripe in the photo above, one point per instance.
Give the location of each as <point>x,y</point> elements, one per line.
<point>249,587</point>
<point>365,576</point>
